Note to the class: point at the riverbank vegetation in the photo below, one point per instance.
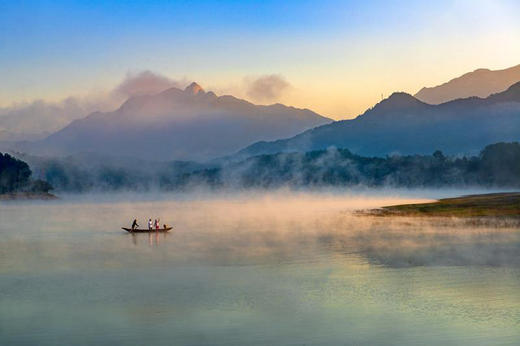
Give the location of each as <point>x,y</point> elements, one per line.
<point>497,166</point>
<point>16,182</point>
<point>494,204</point>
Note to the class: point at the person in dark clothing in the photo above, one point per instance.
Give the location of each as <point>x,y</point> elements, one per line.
<point>134,224</point>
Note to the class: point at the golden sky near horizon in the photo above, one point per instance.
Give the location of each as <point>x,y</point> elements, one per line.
<point>338,58</point>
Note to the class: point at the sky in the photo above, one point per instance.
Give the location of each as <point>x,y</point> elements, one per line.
<point>335,57</point>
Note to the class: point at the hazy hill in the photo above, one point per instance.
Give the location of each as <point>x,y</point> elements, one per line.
<point>175,125</point>
<point>403,124</point>
<point>481,83</point>
<point>498,165</point>
<point>38,119</point>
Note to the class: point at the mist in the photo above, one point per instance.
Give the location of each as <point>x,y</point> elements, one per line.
<point>496,168</point>
<point>36,119</point>
<point>32,120</point>
<point>286,226</point>
<point>303,259</point>
<point>145,83</point>
<point>266,88</point>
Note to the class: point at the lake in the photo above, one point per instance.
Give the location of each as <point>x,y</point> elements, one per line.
<point>256,268</point>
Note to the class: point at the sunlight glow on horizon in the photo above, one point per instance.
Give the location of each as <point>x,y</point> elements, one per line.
<point>339,57</point>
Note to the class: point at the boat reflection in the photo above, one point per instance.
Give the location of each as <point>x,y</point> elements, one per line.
<point>152,238</point>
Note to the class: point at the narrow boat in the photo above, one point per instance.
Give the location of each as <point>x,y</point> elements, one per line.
<point>146,230</point>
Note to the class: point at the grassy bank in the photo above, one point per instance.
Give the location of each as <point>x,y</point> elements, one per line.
<point>493,204</point>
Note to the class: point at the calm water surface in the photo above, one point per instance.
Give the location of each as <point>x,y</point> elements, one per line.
<point>288,269</point>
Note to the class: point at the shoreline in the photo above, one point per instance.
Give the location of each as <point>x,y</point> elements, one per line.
<point>506,204</point>
<point>20,196</point>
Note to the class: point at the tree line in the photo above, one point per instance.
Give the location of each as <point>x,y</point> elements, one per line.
<point>15,176</point>
<point>498,165</point>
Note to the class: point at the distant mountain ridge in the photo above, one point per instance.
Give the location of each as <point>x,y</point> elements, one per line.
<point>405,125</point>
<point>177,125</point>
<point>481,83</point>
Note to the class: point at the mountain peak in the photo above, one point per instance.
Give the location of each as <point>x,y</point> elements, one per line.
<point>399,100</point>
<point>482,83</point>
<point>194,89</point>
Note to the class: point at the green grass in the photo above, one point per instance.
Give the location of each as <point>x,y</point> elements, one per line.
<point>493,204</point>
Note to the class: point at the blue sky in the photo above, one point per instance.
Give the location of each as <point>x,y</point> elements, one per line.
<point>339,56</point>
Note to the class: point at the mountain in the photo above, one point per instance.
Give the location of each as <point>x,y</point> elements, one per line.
<point>481,83</point>
<point>177,125</point>
<point>405,125</point>
<point>497,165</point>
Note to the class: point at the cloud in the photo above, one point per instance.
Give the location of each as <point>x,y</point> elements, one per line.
<point>144,83</point>
<point>39,118</point>
<point>33,120</point>
<point>266,87</point>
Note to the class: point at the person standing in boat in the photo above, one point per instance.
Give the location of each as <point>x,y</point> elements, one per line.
<point>157,224</point>
<point>150,224</point>
<point>134,224</point>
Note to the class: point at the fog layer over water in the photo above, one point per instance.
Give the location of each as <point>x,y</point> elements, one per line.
<point>258,268</point>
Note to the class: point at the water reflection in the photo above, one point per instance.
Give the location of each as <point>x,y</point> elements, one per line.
<point>393,242</point>
<point>273,269</point>
<point>153,238</point>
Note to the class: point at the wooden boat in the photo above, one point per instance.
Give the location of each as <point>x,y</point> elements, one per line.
<point>146,230</point>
